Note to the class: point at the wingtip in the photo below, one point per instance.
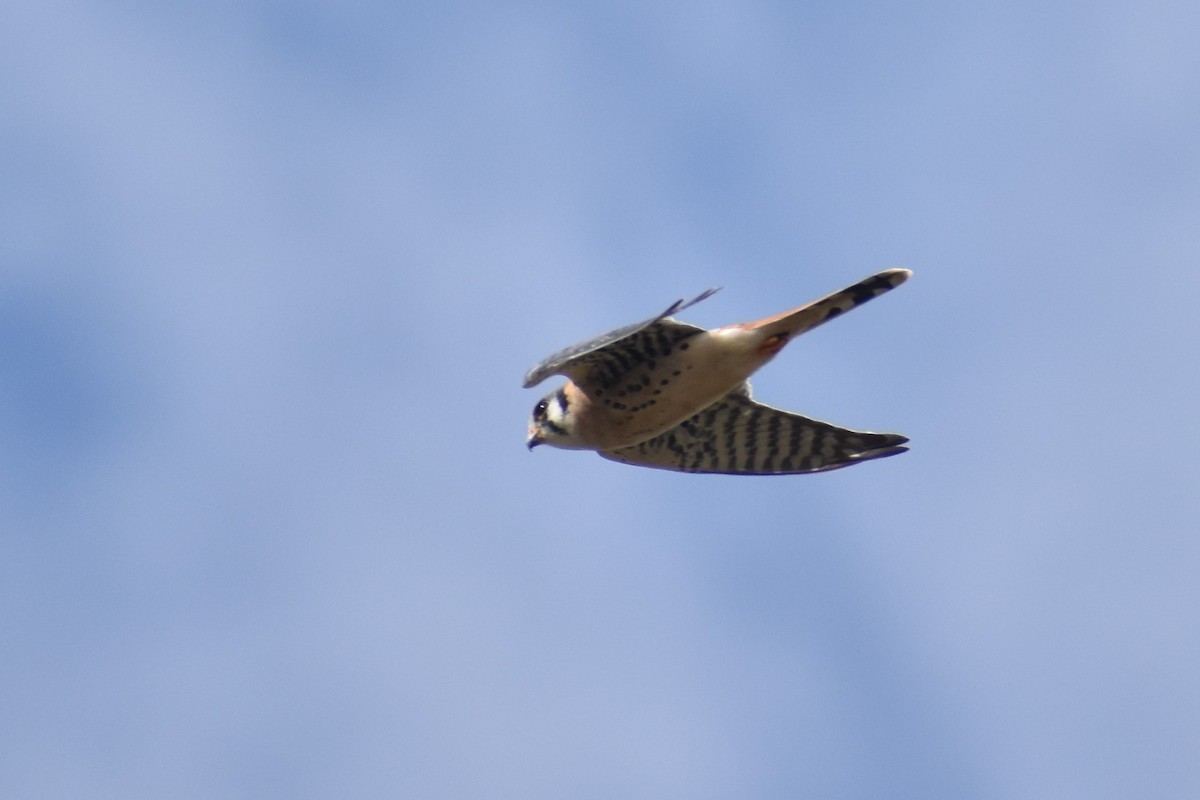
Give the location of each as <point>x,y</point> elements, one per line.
<point>532,378</point>
<point>682,303</point>
<point>887,450</point>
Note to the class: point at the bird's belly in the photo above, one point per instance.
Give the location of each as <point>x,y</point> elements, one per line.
<point>651,400</point>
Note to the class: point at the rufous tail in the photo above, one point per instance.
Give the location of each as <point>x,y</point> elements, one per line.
<point>790,324</point>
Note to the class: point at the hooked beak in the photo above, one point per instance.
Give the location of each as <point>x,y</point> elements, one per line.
<point>534,440</point>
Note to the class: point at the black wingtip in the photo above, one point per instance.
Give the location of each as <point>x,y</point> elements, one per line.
<point>894,446</point>
<point>681,304</point>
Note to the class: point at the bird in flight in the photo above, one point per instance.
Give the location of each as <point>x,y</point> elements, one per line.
<point>669,395</point>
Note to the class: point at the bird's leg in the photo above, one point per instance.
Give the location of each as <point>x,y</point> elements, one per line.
<point>773,344</point>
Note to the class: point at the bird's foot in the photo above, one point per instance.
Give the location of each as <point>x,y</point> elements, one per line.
<point>773,344</point>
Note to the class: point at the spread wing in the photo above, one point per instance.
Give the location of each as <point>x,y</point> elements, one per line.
<point>737,435</point>
<point>614,353</point>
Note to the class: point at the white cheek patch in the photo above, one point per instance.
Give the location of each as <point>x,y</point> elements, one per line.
<point>555,416</point>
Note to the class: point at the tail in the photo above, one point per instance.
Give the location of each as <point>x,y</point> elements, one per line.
<point>789,324</point>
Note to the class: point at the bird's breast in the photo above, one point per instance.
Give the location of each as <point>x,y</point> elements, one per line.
<point>659,394</point>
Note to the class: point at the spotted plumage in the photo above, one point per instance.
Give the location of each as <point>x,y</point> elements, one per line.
<point>663,393</point>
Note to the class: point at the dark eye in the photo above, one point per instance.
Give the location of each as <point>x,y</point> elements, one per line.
<point>539,410</point>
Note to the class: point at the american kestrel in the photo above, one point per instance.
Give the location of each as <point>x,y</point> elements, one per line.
<point>666,394</point>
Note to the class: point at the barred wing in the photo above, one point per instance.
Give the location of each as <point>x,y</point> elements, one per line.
<point>738,436</point>
<point>614,353</point>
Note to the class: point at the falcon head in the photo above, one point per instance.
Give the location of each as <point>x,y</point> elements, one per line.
<point>553,423</point>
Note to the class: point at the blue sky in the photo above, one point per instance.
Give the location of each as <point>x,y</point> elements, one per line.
<point>270,275</point>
